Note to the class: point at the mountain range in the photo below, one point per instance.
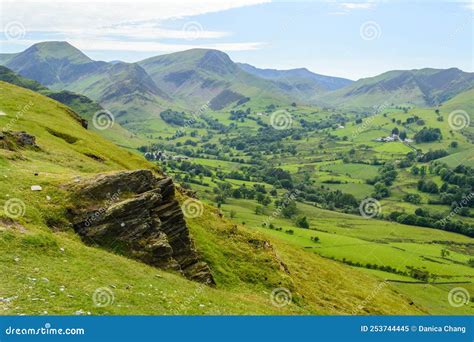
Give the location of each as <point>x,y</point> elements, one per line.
<point>190,79</point>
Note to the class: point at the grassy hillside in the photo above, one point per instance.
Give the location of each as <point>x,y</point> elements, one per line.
<point>80,104</point>
<point>48,270</point>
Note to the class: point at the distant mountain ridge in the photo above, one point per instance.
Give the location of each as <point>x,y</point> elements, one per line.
<point>300,78</point>
<point>418,87</point>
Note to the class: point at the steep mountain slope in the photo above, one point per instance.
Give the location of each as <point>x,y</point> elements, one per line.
<point>298,81</point>
<point>196,76</point>
<point>48,270</point>
<point>423,87</point>
<point>119,81</point>
<point>80,104</point>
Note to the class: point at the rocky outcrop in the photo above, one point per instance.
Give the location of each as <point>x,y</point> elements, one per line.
<point>10,140</point>
<point>136,214</point>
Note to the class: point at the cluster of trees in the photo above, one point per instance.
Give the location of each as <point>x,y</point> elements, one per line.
<point>174,118</point>
<point>432,155</point>
<point>215,124</point>
<point>239,114</point>
<point>424,218</point>
<point>427,186</point>
<point>190,168</point>
<point>329,199</point>
<point>384,268</point>
<point>428,134</point>
<point>458,185</point>
<point>257,192</point>
<point>386,177</point>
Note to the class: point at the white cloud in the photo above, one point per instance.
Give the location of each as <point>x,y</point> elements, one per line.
<point>110,45</point>
<point>141,46</point>
<point>357,5</point>
<point>113,23</point>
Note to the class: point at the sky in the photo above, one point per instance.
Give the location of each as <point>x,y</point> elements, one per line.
<point>337,38</point>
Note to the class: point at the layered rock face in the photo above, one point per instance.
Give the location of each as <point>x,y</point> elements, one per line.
<point>136,214</point>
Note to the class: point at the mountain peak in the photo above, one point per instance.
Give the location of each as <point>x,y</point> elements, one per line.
<point>58,50</point>
<point>51,62</point>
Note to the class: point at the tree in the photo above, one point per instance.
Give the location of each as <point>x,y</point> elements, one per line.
<point>232,213</point>
<point>289,210</point>
<point>381,191</point>
<point>444,253</point>
<point>395,131</point>
<point>302,222</point>
<point>428,186</point>
<point>412,198</point>
<point>236,193</point>
<point>266,201</point>
<point>402,135</point>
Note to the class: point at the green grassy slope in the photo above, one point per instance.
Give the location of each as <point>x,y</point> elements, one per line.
<point>47,270</point>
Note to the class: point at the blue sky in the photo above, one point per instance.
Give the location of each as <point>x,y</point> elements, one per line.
<point>347,39</point>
